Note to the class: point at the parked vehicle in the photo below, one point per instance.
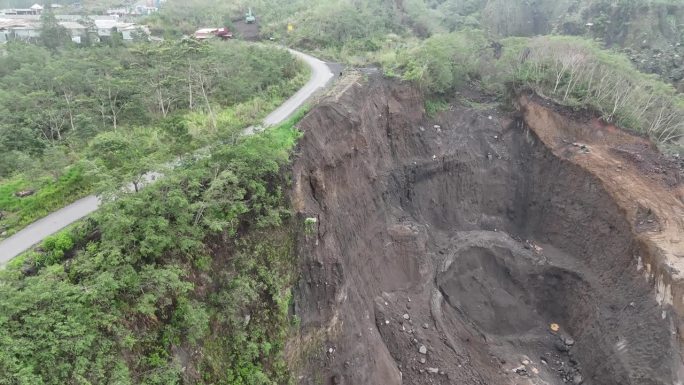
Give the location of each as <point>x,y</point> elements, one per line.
<point>208,33</point>
<point>249,17</point>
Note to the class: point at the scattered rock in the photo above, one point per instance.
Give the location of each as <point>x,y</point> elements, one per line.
<point>569,341</point>
<point>425,326</point>
<point>433,370</point>
<point>520,370</point>
<point>422,349</point>
<point>24,193</point>
<point>28,269</point>
<point>525,362</point>
<point>577,379</point>
<point>406,316</point>
<point>423,360</point>
<point>437,127</point>
<point>561,346</point>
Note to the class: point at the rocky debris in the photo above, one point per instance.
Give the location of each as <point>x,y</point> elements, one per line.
<point>28,269</point>
<point>568,341</point>
<point>530,245</point>
<point>561,346</point>
<point>371,266</point>
<point>583,147</point>
<point>24,193</point>
<point>521,370</point>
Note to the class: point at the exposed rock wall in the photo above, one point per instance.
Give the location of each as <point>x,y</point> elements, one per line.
<point>389,290</point>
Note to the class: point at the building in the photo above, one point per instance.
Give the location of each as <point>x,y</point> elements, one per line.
<point>77,31</point>
<point>29,30</point>
<point>127,30</point>
<point>36,9</point>
<point>7,27</point>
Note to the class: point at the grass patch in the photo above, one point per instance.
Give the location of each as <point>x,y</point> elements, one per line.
<point>50,195</point>
<point>433,106</point>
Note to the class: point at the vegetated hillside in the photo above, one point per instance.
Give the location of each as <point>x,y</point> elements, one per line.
<point>571,70</point>
<point>75,120</point>
<point>187,281</point>
<point>650,32</point>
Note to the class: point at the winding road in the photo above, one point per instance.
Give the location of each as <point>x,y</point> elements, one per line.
<point>42,228</point>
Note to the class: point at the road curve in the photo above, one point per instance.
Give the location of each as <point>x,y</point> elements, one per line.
<point>42,228</point>
<point>320,76</point>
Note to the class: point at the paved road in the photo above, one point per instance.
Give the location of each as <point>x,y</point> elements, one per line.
<point>39,230</point>
<point>320,76</point>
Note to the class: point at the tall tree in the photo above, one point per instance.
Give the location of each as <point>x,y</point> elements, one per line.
<point>52,34</point>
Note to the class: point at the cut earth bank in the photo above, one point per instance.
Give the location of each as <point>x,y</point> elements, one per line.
<point>444,250</point>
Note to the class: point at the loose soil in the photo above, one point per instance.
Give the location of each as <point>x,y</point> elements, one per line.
<point>481,247</point>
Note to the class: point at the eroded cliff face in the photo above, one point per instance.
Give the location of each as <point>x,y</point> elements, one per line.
<point>441,251</point>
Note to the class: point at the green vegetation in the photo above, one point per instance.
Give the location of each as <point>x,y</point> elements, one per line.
<point>77,120</point>
<point>51,194</point>
<point>187,280</point>
<point>570,70</point>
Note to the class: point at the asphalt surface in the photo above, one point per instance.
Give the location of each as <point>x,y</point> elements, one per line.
<point>39,230</point>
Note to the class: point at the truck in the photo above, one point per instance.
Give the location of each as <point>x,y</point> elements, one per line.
<point>249,17</point>
<point>207,33</point>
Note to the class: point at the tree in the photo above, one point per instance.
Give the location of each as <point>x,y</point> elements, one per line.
<point>52,34</point>
<point>125,158</point>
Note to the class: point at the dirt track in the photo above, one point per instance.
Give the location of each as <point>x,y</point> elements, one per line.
<point>446,248</point>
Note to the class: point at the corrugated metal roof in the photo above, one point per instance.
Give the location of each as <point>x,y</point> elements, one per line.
<point>71,25</point>
<point>8,23</point>
<point>109,24</point>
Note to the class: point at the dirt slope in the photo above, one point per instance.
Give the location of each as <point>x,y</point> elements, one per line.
<point>439,252</point>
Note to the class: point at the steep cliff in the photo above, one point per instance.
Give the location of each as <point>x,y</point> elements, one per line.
<point>447,250</point>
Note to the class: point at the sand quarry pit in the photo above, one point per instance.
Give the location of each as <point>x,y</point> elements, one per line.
<point>539,246</point>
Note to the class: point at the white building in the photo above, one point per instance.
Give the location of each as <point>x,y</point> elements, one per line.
<point>29,30</point>
<point>127,30</point>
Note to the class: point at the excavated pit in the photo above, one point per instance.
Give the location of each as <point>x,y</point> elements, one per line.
<point>445,249</point>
